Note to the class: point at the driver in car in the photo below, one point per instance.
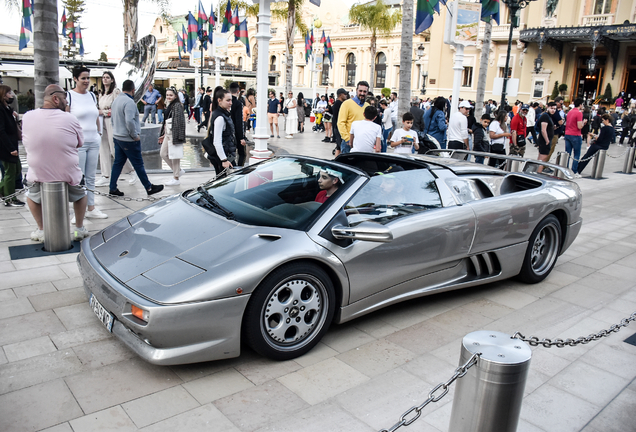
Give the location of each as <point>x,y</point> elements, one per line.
<point>391,188</point>
<point>329,181</point>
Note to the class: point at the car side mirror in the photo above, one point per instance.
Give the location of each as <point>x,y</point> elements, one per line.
<point>366,231</point>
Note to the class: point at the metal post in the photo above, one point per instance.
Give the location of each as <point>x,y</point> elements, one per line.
<point>562,160</point>
<point>513,165</point>
<point>57,236</point>
<point>458,68</point>
<point>630,157</point>
<point>599,164</point>
<point>488,398</point>
<point>513,10</point>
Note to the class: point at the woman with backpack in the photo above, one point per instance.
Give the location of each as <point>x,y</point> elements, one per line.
<point>173,136</point>
<point>435,123</point>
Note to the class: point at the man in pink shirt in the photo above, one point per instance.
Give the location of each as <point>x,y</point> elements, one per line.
<point>573,140</point>
<point>51,137</point>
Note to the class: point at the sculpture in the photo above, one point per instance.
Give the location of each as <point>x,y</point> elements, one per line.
<point>550,7</point>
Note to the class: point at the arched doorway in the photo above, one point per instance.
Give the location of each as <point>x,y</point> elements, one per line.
<point>272,64</point>
<point>380,70</point>
<point>240,63</point>
<point>351,70</point>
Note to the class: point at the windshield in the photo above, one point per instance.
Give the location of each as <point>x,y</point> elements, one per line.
<point>280,192</point>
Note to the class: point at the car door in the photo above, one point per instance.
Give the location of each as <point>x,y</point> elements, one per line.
<point>427,237</point>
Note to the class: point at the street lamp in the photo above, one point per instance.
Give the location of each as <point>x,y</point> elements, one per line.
<point>592,62</point>
<point>515,7</point>
<point>420,51</point>
<point>538,62</point>
<point>424,79</point>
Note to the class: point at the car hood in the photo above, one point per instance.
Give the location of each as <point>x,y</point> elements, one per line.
<point>154,235</point>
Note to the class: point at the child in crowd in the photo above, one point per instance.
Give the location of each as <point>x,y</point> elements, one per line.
<point>366,135</point>
<point>480,137</point>
<point>405,140</point>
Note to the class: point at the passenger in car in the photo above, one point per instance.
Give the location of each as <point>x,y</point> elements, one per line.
<point>391,188</point>
<point>329,181</point>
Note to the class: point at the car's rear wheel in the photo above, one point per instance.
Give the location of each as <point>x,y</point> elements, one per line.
<point>290,311</point>
<point>542,252</point>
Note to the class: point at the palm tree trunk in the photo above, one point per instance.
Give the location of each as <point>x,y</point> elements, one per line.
<point>483,71</point>
<point>373,49</point>
<point>46,55</point>
<point>406,58</point>
<point>131,20</point>
<point>291,27</point>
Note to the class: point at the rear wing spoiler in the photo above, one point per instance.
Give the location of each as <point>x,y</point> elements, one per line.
<point>511,163</point>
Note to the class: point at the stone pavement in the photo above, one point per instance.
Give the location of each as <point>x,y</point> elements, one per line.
<point>60,370</point>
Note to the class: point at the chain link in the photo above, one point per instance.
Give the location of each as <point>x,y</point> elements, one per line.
<point>13,195</point>
<point>459,372</point>
<point>592,157</point>
<point>560,343</point>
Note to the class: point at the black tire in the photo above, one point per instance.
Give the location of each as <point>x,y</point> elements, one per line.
<point>289,312</point>
<point>543,251</point>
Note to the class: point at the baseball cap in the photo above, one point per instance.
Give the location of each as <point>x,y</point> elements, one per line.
<point>465,104</point>
<point>341,91</point>
<point>525,107</point>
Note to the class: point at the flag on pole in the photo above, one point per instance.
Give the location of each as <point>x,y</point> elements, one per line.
<point>490,9</point>
<point>184,38</point>
<point>316,2</point>
<point>330,50</point>
<point>81,42</point>
<point>235,18</point>
<point>192,32</point>
<point>201,16</point>
<point>311,38</point>
<point>70,26</point>
<point>307,48</point>
<point>211,23</point>
<point>24,37</point>
<point>27,11</point>
<point>425,11</point>
<point>63,21</point>
<point>323,39</point>
<point>227,18</point>
<point>180,45</point>
<point>241,34</point>
<point>213,19</point>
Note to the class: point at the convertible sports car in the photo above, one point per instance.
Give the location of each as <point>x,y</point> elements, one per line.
<point>272,254</point>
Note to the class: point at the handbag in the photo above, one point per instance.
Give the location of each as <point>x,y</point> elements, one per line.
<point>175,151</point>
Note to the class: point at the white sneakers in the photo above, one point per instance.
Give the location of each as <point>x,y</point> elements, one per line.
<point>289,136</point>
<point>102,182</point>
<point>37,235</point>
<point>95,214</point>
<point>79,233</point>
<point>133,178</point>
<point>577,176</point>
<point>181,173</point>
<point>172,182</point>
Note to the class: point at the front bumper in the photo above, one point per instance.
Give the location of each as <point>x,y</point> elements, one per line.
<point>175,333</point>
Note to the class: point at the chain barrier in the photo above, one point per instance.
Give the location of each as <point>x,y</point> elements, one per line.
<point>459,373</point>
<point>592,157</point>
<point>560,343</point>
<point>14,195</point>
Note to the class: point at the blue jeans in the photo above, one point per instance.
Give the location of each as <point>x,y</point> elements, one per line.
<point>344,147</point>
<point>128,150</point>
<point>385,137</point>
<point>160,115</point>
<point>479,159</point>
<point>150,110</point>
<point>88,154</point>
<point>574,142</point>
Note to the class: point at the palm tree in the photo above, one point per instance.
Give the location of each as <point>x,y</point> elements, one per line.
<point>483,70</point>
<point>376,18</point>
<point>293,15</point>
<point>46,56</point>
<point>406,58</point>
<point>131,19</point>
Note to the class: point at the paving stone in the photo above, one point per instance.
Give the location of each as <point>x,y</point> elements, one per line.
<point>262,370</point>
<point>191,372</point>
<point>6,266</point>
<point>30,348</point>
<point>159,406</point>
<point>582,295</point>
<point>76,316</point>
<point>29,277</point>
<point>6,295</point>
<point>319,353</point>
<point>612,358</point>
<point>79,336</point>
<point>64,284</point>
<point>58,299</point>
<point>71,269</point>
<point>62,427</point>
<point>319,382</point>
<point>589,383</point>
<point>619,415</point>
<point>423,337</point>
<point>3,357</point>
<point>345,337</point>
<point>31,409</point>
<point>36,263</point>
<point>16,307</point>
<point>109,420</point>
<point>218,385</point>
<point>202,419</point>
<point>121,382</point>
<point>259,406</point>
<point>377,357</point>
<point>488,308</point>
<point>35,370</point>
<point>102,353</point>
<point>29,326</point>
<point>34,289</point>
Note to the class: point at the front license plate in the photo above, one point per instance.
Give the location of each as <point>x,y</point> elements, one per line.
<point>104,316</point>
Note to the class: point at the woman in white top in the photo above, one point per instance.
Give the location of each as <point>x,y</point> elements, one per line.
<point>291,118</point>
<point>172,136</point>
<point>498,131</point>
<point>83,105</point>
<point>107,148</point>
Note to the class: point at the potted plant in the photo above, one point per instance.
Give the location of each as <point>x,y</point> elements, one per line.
<point>563,88</point>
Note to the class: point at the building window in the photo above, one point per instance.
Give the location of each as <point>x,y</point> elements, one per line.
<point>467,76</point>
<point>240,63</point>
<point>501,72</point>
<point>351,70</point>
<point>602,7</point>
<point>324,75</point>
<point>380,70</point>
<point>272,64</point>
<point>301,74</point>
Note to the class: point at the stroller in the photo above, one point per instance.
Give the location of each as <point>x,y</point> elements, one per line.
<point>318,125</point>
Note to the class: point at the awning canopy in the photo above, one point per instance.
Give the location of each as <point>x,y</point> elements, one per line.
<point>14,70</point>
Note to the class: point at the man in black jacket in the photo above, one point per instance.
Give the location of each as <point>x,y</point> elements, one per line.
<point>236,113</point>
<point>206,104</point>
<point>418,115</point>
<point>335,109</point>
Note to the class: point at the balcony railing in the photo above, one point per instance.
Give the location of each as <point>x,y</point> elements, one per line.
<point>499,32</point>
<point>597,20</point>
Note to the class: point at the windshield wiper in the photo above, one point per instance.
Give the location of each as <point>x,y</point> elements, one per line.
<point>208,201</point>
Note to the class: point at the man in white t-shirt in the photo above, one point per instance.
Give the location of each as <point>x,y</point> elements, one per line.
<point>394,109</point>
<point>366,135</point>
<point>458,127</point>
<point>405,140</point>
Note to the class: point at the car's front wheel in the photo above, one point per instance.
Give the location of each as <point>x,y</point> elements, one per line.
<point>542,252</point>
<point>290,311</point>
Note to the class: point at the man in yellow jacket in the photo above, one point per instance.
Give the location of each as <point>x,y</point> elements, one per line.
<point>352,110</point>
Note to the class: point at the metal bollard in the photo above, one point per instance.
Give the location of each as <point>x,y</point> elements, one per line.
<point>489,397</point>
<point>599,164</point>
<point>57,236</point>
<point>562,160</point>
<point>630,158</point>
<point>513,165</point>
